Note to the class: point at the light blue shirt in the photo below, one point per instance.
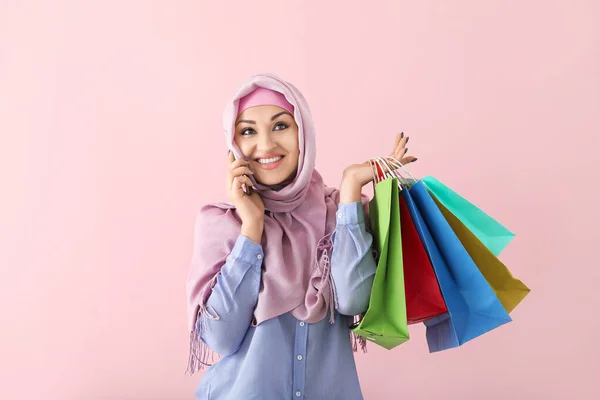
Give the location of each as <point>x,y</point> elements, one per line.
<point>284,358</point>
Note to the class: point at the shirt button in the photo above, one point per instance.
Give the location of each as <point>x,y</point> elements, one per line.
<point>339,215</point>
<point>299,358</point>
<point>302,323</point>
<point>259,257</point>
<point>298,394</point>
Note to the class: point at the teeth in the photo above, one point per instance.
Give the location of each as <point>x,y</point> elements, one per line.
<point>269,160</point>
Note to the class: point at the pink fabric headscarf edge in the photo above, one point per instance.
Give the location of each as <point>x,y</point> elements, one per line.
<point>263,96</point>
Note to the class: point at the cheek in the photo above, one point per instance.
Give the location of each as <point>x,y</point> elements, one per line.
<point>293,149</point>
<point>292,143</point>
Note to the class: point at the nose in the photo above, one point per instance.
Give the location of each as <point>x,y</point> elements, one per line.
<point>266,142</point>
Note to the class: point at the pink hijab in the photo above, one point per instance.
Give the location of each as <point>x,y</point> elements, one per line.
<point>296,239</point>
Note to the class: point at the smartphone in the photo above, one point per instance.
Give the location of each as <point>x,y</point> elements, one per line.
<point>247,189</point>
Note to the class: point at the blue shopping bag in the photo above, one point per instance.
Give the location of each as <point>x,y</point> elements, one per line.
<point>473,307</point>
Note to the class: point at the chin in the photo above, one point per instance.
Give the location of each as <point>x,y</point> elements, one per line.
<point>275,178</point>
<point>271,180</point>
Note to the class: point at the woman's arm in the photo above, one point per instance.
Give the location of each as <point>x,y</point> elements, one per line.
<point>352,263</point>
<point>225,319</point>
<point>233,298</point>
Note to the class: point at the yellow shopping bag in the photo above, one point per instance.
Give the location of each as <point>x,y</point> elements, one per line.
<point>510,290</point>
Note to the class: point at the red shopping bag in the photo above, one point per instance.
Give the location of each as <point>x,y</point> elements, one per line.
<point>424,299</point>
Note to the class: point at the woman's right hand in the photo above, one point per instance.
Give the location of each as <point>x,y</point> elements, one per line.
<point>250,208</point>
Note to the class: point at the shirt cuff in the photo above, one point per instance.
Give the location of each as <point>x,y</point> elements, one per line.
<point>350,214</point>
<point>248,251</point>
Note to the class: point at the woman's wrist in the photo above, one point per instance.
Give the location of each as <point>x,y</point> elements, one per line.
<point>350,189</point>
<point>253,231</point>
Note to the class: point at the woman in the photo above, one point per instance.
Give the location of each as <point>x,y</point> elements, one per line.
<point>279,272</point>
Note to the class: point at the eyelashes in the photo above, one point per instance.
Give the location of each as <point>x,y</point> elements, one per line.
<point>280,126</point>
<point>284,125</point>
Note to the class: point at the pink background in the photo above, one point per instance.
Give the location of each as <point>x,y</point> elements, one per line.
<point>110,120</point>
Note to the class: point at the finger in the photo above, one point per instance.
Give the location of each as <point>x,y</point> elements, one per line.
<point>398,153</point>
<point>402,149</point>
<point>240,162</point>
<point>235,184</point>
<point>399,149</point>
<point>242,171</point>
<point>398,138</point>
<point>239,180</point>
<point>398,142</point>
<point>401,152</point>
<point>230,160</point>
<point>407,160</point>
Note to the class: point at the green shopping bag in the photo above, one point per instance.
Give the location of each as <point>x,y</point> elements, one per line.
<point>385,322</point>
<point>490,232</point>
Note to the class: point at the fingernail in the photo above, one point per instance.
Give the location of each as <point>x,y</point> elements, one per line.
<point>407,139</point>
<point>228,151</point>
<point>414,160</point>
<point>401,135</point>
<point>246,159</point>
<point>405,150</point>
<point>252,169</point>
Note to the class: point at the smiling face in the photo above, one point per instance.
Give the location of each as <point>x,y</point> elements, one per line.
<point>268,136</point>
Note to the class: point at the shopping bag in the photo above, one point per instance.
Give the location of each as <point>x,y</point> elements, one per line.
<point>510,290</point>
<point>385,322</point>
<point>473,307</point>
<point>491,233</point>
<point>423,296</point>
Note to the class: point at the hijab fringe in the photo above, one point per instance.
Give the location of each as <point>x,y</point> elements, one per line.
<point>199,353</point>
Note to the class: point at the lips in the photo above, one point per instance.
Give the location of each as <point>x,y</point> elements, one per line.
<point>268,158</point>
<point>271,161</point>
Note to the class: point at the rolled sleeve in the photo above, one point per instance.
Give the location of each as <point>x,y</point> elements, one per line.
<point>234,297</point>
<point>352,264</point>
<point>350,214</point>
<point>248,251</point>
<point>245,259</point>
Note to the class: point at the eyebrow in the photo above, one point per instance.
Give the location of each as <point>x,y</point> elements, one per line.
<point>273,118</point>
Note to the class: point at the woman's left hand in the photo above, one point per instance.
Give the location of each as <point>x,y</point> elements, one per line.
<point>358,175</point>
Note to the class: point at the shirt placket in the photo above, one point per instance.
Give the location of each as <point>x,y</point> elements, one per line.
<point>300,342</point>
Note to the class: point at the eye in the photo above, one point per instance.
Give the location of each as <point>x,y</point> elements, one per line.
<point>280,126</point>
<point>246,131</point>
